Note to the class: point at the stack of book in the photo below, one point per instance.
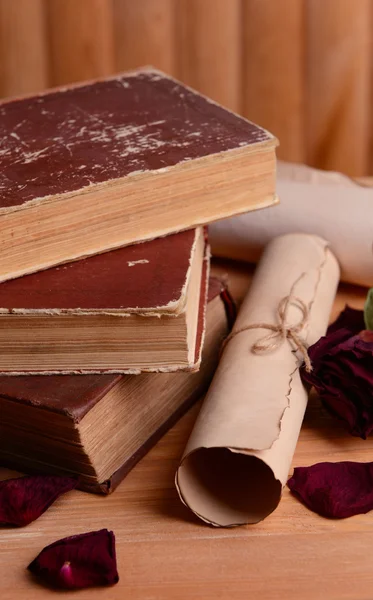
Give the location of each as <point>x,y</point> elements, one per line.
<point>110,326</point>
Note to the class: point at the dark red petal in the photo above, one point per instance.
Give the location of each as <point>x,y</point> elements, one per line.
<point>79,561</point>
<point>24,499</point>
<point>345,410</point>
<point>335,490</point>
<point>351,319</point>
<point>342,372</point>
<point>322,354</point>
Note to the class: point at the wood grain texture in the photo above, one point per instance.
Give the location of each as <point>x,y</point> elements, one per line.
<point>80,39</point>
<point>23,51</point>
<point>144,34</point>
<point>209,48</point>
<point>301,68</point>
<point>273,71</point>
<point>165,553</point>
<point>339,70</point>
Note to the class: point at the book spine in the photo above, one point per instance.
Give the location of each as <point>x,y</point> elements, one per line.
<point>23,52</point>
<point>273,71</point>
<point>209,48</point>
<point>81,40</point>
<point>339,69</point>
<point>144,34</point>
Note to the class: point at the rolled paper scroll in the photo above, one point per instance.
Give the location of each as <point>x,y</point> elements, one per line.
<point>316,202</point>
<point>239,454</point>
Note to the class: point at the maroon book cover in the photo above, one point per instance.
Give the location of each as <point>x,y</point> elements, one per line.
<point>74,396</point>
<point>83,135</point>
<point>96,166</point>
<point>84,303</point>
<point>150,276</point>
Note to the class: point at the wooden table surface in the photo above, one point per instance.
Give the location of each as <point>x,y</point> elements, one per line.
<point>165,553</point>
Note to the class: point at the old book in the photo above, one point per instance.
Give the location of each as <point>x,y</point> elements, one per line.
<point>138,308</point>
<point>99,426</point>
<point>89,168</point>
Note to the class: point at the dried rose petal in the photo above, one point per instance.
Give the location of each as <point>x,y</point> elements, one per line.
<point>335,490</point>
<point>342,372</point>
<point>24,499</point>
<point>351,319</point>
<point>79,561</point>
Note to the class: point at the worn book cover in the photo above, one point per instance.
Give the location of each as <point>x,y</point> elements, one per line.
<point>95,166</point>
<point>138,308</point>
<point>98,426</point>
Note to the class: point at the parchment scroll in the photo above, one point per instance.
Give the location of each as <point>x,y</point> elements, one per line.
<point>311,201</point>
<point>239,454</point>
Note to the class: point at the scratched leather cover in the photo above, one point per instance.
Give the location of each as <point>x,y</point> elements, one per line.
<point>75,137</point>
<point>142,276</point>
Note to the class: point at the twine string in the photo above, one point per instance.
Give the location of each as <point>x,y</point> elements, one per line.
<point>281,332</point>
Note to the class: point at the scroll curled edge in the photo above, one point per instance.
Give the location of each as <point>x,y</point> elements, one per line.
<point>311,201</point>
<point>239,454</point>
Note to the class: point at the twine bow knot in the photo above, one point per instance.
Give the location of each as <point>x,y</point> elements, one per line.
<point>280,332</point>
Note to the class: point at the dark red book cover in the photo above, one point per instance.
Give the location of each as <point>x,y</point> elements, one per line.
<point>63,320</point>
<point>100,165</point>
<point>74,396</point>
<point>149,276</point>
<point>83,135</point>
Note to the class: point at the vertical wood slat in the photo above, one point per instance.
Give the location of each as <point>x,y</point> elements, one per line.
<point>370,124</point>
<point>81,39</point>
<point>144,32</point>
<point>209,48</point>
<point>23,51</point>
<point>273,73</point>
<point>321,114</point>
<point>338,83</point>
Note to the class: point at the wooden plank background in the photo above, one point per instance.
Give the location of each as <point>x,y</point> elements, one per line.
<point>301,68</point>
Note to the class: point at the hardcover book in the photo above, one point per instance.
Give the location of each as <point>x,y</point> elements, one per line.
<point>98,426</point>
<point>96,166</point>
<point>138,308</point>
